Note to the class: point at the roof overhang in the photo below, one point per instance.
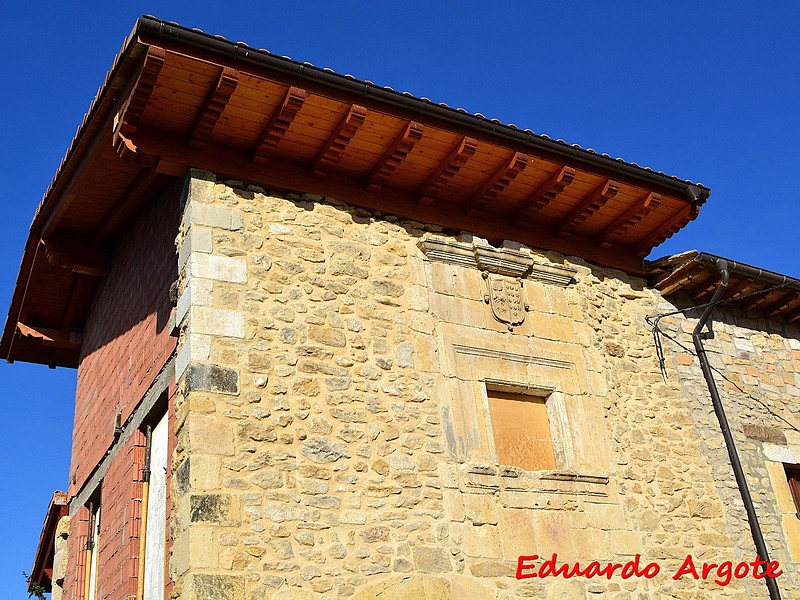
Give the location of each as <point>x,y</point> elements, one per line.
<point>695,275</point>
<point>178,98</point>
<point>42,570</point>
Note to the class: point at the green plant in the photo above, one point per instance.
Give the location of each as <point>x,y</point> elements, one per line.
<point>35,589</point>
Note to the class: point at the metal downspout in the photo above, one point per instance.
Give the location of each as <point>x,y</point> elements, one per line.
<point>741,482</point>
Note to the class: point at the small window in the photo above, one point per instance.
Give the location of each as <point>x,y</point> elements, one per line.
<point>521,429</point>
<point>793,477</point>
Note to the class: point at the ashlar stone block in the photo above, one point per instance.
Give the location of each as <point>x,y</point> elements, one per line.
<point>218,268</point>
<point>213,216</point>
<point>217,587</point>
<point>197,239</point>
<point>216,321</point>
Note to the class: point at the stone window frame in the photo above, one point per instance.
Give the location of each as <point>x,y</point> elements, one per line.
<point>792,472</point>
<point>560,433</point>
<point>565,479</point>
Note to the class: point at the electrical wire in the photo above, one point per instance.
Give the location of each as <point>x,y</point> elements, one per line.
<point>654,322</point>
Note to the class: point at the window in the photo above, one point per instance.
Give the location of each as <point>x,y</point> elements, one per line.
<point>521,428</point>
<point>793,477</point>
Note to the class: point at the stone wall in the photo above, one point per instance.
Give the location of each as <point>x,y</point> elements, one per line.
<point>333,437</point>
<point>756,365</point>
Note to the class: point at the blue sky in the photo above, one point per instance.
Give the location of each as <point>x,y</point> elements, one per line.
<point>707,91</point>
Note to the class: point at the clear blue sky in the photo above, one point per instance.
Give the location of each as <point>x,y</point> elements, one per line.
<point>707,91</point>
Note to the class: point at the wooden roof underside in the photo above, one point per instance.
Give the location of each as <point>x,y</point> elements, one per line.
<point>186,111</point>
<point>772,295</point>
<point>166,107</point>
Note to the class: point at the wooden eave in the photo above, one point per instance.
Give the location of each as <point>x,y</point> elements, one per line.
<point>691,277</point>
<point>42,570</point>
<point>178,99</point>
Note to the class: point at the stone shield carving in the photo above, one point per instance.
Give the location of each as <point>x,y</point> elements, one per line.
<point>505,298</point>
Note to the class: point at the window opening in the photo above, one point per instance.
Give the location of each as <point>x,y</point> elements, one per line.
<point>793,477</point>
<point>521,429</point>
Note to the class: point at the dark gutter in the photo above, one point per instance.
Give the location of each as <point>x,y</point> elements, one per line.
<point>697,337</point>
<point>692,193</point>
<point>771,278</point>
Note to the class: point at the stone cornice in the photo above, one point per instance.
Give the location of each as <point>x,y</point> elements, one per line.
<point>478,254</point>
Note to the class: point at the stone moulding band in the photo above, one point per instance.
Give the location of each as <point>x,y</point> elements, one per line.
<point>500,478</point>
<point>502,261</point>
<point>512,357</point>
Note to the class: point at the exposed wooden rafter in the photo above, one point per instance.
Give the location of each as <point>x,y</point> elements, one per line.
<point>128,118</point>
<point>667,229</point>
<point>704,291</point>
<point>212,110</point>
<point>793,315</point>
<point>73,252</point>
<point>545,194</point>
<point>54,338</point>
<point>279,124</point>
<point>447,169</point>
<point>629,218</point>
<point>739,288</point>
<point>495,185</point>
<point>334,148</point>
<point>680,277</point>
<point>394,155</point>
<point>785,301</point>
<point>587,207</point>
<point>757,301</point>
<point>143,89</point>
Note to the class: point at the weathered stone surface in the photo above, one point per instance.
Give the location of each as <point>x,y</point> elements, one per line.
<point>217,587</point>
<point>431,559</point>
<point>321,450</point>
<point>762,433</point>
<point>219,509</point>
<point>327,336</point>
<point>218,268</point>
<point>491,568</point>
<point>212,378</point>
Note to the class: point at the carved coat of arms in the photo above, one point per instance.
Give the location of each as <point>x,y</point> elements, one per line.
<point>505,298</point>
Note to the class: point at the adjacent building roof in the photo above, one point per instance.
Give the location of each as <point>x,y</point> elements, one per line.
<point>178,98</point>
<point>42,570</point>
<point>695,275</point>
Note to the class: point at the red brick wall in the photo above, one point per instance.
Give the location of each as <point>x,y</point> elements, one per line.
<point>126,338</point>
<point>76,556</point>
<point>126,343</point>
<point>120,524</point>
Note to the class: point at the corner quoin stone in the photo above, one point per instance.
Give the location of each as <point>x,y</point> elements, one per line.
<point>211,378</point>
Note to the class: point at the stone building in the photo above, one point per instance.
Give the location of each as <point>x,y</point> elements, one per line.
<point>336,341</point>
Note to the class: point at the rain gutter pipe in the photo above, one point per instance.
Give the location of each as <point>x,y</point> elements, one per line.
<point>697,337</point>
